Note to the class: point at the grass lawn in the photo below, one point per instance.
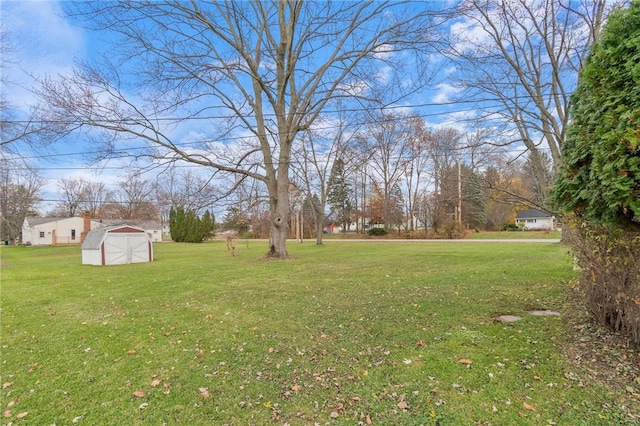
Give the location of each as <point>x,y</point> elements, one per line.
<point>514,235</point>
<point>343,334</point>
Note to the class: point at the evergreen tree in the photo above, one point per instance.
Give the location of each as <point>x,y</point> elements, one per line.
<point>339,195</point>
<point>188,227</point>
<point>600,177</point>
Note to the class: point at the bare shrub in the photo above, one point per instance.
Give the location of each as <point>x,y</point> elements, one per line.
<point>609,261</point>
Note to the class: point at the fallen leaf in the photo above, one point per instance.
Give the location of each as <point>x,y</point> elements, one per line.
<point>10,404</point>
<point>7,413</point>
<point>7,384</point>
<point>143,406</point>
<point>131,352</point>
<point>334,415</point>
<point>464,361</point>
<point>403,405</point>
<point>22,415</point>
<point>421,343</point>
<point>138,394</point>
<point>369,422</point>
<point>204,392</point>
<point>528,407</point>
<point>155,383</point>
<point>296,388</point>
<point>76,419</point>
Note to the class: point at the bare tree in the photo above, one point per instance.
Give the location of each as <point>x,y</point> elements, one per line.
<point>20,185</point>
<point>184,188</point>
<point>388,143</point>
<point>268,68</point>
<point>519,59</point>
<point>96,195</point>
<point>134,198</point>
<point>445,151</point>
<point>72,192</point>
<point>416,168</point>
<point>319,150</point>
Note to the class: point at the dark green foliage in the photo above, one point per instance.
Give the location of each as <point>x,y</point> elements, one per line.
<point>339,195</point>
<point>600,177</point>
<point>188,227</point>
<point>377,232</point>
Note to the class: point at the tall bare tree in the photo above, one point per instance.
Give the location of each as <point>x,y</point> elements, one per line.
<point>20,185</point>
<point>520,60</point>
<point>388,142</point>
<point>186,189</point>
<point>266,67</point>
<point>134,198</point>
<point>72,192</point>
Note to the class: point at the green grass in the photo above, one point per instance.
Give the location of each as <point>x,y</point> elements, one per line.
<point>341,334</point>
<point>514,235</point>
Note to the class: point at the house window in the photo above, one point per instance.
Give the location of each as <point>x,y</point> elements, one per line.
<point>73,234</point>
<point>41,234</point>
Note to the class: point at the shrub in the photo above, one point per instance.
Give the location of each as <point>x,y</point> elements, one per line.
<point>377,232</point>
<point>609,260</point>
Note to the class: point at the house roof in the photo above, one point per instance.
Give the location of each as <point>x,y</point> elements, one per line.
<point>95,237</point>
<point>37,220</point>
<point>532,214</point>
<point>145,224</point>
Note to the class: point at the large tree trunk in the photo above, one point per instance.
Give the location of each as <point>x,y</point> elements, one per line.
<point>279,206</point>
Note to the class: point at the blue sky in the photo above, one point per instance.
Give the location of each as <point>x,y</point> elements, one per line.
<point>46,43</point>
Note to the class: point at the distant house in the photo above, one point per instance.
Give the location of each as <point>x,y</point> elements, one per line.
<point>117,245</point>
<point>535,220</point>
<point>51,231</point>
<point>72,230</point>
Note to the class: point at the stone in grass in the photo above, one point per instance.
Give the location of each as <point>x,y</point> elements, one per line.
<point>508,318</point>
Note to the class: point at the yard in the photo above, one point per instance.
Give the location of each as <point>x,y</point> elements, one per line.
<point>343,334</point>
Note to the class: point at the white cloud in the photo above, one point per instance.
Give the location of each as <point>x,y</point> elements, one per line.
<point>41,42</point>
<point>445,90</point>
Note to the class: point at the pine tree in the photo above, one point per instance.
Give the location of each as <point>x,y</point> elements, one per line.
<point>339,195</point>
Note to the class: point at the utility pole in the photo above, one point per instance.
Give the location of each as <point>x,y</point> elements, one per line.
<point>459,212</point>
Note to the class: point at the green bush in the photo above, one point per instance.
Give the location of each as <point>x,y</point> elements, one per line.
<point>377,232</point>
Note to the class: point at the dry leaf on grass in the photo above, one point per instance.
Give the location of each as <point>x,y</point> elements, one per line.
<point>204,392</point>
<point>138,393</point>
<point>528,407</point>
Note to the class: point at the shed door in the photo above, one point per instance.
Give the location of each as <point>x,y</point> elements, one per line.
<point>126,248</point>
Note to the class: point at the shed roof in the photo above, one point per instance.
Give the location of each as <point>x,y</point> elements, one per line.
<point>531,214</point>
<point>96,236</point>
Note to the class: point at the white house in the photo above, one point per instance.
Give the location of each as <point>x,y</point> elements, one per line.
<point>52,230</point>
<point>537,220</point>
<point>117,245</point>
<point>72,230</point>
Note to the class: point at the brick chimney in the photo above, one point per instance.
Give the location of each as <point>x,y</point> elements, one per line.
<point>86,227</point>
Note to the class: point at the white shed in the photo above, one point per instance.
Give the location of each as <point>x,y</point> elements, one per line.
<point>117,245</point>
